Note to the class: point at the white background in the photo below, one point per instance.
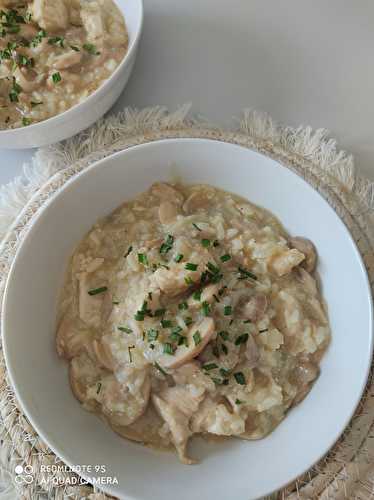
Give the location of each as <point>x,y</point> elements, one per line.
<point>304,61</point>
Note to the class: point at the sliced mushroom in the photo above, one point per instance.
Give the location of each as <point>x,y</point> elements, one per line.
<point>28,85</point>
<point>70,340</point>
<point>207,295</point>
<point>306,247</point>
<point>119,401</point>
<point>166,192</point>
<point>198,336</point>
<point>103,354</point>
<point>83,374</point>
<point>68,59</point>
<point>167,212</point>
<point>252,353</point>
<point>255,308</point>
<point>307,281</point>
<point>284,262</point>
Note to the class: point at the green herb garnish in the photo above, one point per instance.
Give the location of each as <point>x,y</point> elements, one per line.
<point>166,323</point>
<point>227,310</point>
<point>159,368</point>
<point>129,350</point>
<point>205,242</point>
<point>197,295</point>
<point>242,339</point>
<point>245,274</point>
<point>35,103</point>
<point>196,226</point>
<point>190,266</point>
<point>124,329</point>
<point>56,77</point>
<point>224,335</point>
<point>168,348</point>
<point>91,49</point>
<point>210,366</point>
<point>95,291</point>
<point>224,349</point>
<point>129,250</point>
<point>139,316</point>
<point>197,337</point>
<point>188,321</point>
<point>239,377</point>
<point>205,308</point>
<point>183,306</point>
<point>225,258</point>
<point>152,335</point>
<point>159,312</point>
<point>26,121</point>
<point>143,259</point>
<point>57,40</point>
<point>178,257</point>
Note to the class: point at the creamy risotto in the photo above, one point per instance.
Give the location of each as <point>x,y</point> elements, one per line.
<point>189,311</point>
<point>53,54</point>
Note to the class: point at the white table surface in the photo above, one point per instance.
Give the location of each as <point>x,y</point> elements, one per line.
<point>305,62</point>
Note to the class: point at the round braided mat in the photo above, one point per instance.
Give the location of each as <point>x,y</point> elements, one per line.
<point>347,472</point>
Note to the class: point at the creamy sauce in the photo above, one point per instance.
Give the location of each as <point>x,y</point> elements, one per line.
<point>190,311</point>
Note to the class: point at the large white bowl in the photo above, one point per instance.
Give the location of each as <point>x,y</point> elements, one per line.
<point>234,469</point>
<point>84,114</point>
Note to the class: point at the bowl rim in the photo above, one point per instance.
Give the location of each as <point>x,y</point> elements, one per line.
<point>65,115</point>
<point>100,164</point>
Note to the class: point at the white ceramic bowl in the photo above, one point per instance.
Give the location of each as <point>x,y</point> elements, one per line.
<point>234,469</point>
<point>84,114</point>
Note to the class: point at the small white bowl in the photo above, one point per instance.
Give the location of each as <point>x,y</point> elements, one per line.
<point>84,114</point>
<point>232,469</point>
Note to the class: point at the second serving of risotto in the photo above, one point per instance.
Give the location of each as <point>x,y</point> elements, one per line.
<point>189,311</point>
<point>55,53</point>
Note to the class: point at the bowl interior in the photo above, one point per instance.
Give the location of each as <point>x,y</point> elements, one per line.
<point>230,469</point>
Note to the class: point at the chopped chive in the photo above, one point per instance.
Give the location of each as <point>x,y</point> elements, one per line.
<point>225,381</point>
<point>247,321</point>
<point>143,259</point>
<point>129,250</point>
<point>57,40</point>
<point>129,350</point>
<point>183,306</point>
<point>124,329</point>
<point>150,295</point>
<point>264,330</point>
<point>168,348</point>
<point>56,77</point>
<point>231,322</point>
<point>151,346</point>
<point>183,341</point>
<point>139,316</point>
<point>205,308</point>
<point>98,388</point>
<point>196,226</point>
<point>217,381</point>
<point>74,47</point>
<point>197,295</point>
<point>159,312</point>
<point>115,302</point>
<point>197,337</point>
<point>227,310</point>
<point>216,243</point>
<point>188,321</point>
<point>225,258</point>
<point>166,323</point>
<point>224,335</point>
<point>221,291</point>
<point>190,266</point>
<point>167,245</point>
<point>205,243</point>
<point>215,350</point>
<point>188,280</point>
<point>224,372</point>
<point>245,274</point>
<point>96,291</point>
<point>238,402</point>
<point>159,368</point>
<point>212,268</point>
<point>178,257</point>
<point>210,366</point>
<point>26,121</point>
<point>35,103</point>
<point>224,349</point>
<point>152,335</point>
<point>215,298</point>
<point>91,49</point>
<point>239,377</point>
<point>242,339</point>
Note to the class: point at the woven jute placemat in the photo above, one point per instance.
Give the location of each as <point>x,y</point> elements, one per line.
<point>347,472</point>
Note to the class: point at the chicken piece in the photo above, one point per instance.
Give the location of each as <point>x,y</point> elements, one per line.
<point>284,263</point>
<point>255,308</point>
<point>51,15</point>
<point>207,295</point>
<point>167,212</point>
<point>125,402</point>
<point>197,338</point>
<point>215,418</point>
<point>197,200</point>
<point>103,354</point>
<point>66,60</point>
<point>92,20</point>
<point>90,306</point>
<point>306,247</point>
<point>176,405</point>
<point>252,353</point>
<point>70,340</point>
<point>166,192</point>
